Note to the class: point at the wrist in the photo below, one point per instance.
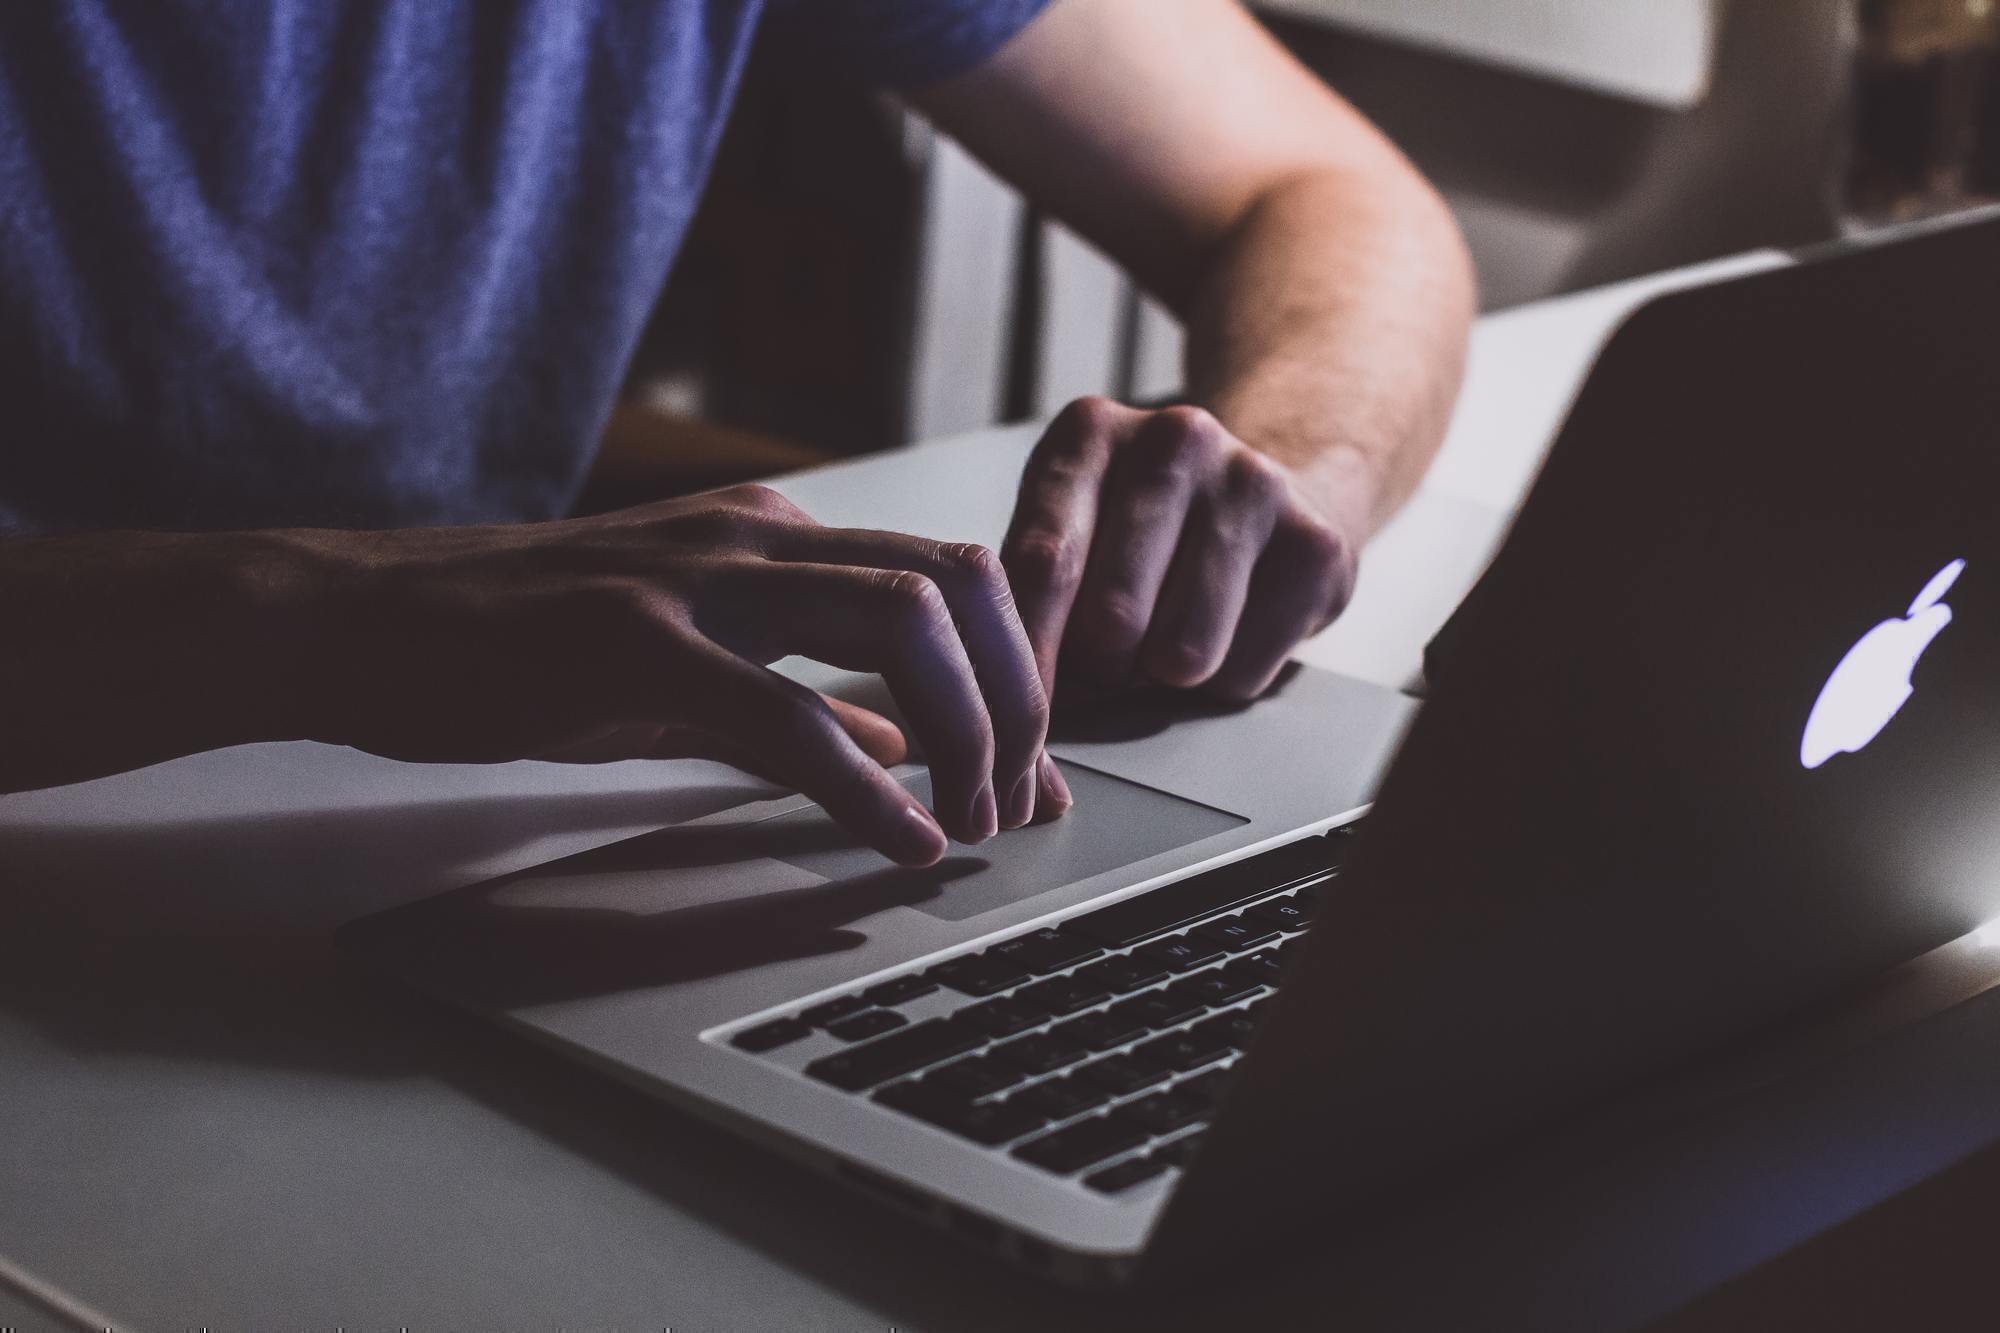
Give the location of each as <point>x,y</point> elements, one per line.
<point>1348,486</point>
<point>136,647</point>
<point>287,593</point>
<point>237,631</point>
<point>1345,483</point>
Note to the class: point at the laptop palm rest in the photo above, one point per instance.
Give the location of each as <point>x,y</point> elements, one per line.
<point>1115,823</point>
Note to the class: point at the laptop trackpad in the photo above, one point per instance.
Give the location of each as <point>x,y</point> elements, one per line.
<point>1114,823</point>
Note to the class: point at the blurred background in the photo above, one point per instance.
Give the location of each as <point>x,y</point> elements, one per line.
<point>854,282</point>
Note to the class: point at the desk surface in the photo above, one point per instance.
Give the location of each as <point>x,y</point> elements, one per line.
<point>207,1121</point>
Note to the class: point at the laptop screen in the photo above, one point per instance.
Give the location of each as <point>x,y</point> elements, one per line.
<point>1716,736</point>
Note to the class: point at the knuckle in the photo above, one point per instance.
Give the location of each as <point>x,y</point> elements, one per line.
<point>1324,560</point>
<point>722,525</point>
<point>761,500</point>
<point>619,604</point>
<point>1234,527</point>
<point>1195,424</point>
<point>974,563</point>
<point>1250,478</point>
<point>981,573</point>
<point>1319,546</point>
<point>1044,558</point>
<point>1115,620</point>
<point>1036,703</point>
<point>1175,439</point>
<point>911,596</point>
<point>1181,660</point>
<point>1085,417</point>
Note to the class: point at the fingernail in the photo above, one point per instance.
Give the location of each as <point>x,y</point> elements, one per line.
<point>1021,804</point>
<point>1053,786</point>
<point>985,813</point>
<point>924,842</point>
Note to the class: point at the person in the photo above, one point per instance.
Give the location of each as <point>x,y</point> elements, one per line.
<point>311,312</point>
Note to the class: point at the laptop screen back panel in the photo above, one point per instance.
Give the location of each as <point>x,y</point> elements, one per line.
<point>1610,841</point>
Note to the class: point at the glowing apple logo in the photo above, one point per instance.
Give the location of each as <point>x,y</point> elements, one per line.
<point>1873,681</point>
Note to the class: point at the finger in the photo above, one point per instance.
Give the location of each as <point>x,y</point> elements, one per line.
<point>879,738</point>
<point>1055,800</point>
<point>1201,603</point>
<point>1055,516</point>
<point>897,624</point>
<point>1301,582</point>
<point>975,589</point>
<point>1141,510</point>
<point>791,734</point>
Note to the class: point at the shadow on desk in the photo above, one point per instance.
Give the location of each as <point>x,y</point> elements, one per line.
<point>212,940</point>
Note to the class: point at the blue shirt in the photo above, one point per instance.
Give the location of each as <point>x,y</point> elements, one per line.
<point>361,262</point>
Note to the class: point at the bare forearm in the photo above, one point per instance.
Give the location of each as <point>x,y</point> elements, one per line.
<point>1329,332</point>
<point>125,649</point>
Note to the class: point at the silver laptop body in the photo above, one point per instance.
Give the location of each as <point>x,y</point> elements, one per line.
<point>1616,837</point>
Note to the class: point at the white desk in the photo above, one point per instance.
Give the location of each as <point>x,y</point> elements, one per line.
<point>205,1121</point>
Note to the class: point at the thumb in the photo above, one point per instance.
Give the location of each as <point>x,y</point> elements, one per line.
<point>876,736</point>
<point>879,738</point>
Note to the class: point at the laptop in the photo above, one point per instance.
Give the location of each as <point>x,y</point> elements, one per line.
<point>1708,743</point>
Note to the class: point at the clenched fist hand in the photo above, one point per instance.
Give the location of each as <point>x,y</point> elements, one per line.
<point>1155,545</point>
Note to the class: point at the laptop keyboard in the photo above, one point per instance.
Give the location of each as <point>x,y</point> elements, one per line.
<point>1097,1047</point>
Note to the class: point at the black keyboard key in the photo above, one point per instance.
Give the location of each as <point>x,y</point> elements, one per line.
<point>1208,1087</point>
<point>1121,1074</point>
<point>897,1054</point>
<point>988,1123</point>
<point>1216,987</point>
<point>1122,974</point>
<point>822,1014</point>
<point>1113,1179</point>
<point>1189,900</point>
<point>1039,1054</point>
<point>770,1036</point>
<point>991,1123</point>
<point>1258,969</point>
<point>1181,1151</point>
<point>1182,1050</point>
<point>1234,934</point>
<point>1159,1010</point>
<point>1280,914</point>
<point>868,1023</point>
<point>1165,1112</point>
<point>911,1096</point>
<point>1076,1146</point>
<point>1100,1032</point>
<point>976,976</point>
<point>1003,1017</point>
<point>1180,953</point>
<point>1062,995</point>
<point>971,1079</point>
<point>1234,1027</point>
<point>898,990</point>
<point>1286,949</point>
<point>1044,951</point>
<point>1061,1098</point>
<point>1187,995</point>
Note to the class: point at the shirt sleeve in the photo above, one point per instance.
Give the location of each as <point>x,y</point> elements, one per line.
<point>899,43</point>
